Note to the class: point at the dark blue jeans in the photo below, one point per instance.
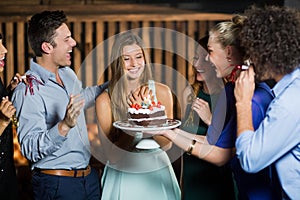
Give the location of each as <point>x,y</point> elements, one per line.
<point>66,188</point>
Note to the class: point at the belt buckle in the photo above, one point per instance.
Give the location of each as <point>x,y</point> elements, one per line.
<point>81,172</point>
<point>78,173</point>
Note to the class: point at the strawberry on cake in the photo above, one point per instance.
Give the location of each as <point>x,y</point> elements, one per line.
<point>147,114</point>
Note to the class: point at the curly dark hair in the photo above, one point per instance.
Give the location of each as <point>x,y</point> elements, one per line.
<point>271,38</point>
<point>42,27</point>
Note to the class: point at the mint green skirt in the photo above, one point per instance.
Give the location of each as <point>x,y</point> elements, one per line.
<point>144,175</point>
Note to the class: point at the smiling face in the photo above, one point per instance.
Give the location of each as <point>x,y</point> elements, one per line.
<point>64,45</point>
<point>202,65</point>
<point>134,61</point>
<point>3,52</point>
<point>218,56</point>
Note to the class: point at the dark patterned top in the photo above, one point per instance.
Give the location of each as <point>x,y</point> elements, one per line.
<point>8,180</point>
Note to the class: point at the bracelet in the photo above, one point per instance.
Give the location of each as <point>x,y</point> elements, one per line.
<point>191,147</point>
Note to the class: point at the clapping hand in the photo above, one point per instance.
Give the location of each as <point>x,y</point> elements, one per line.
<point>7,110</point>
<point>73,110</point>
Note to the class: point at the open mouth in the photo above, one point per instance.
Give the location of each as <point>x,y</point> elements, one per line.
<point>134,70</point>
<point>200,71</point>
<point>2,62</point>
<point>69,54</point>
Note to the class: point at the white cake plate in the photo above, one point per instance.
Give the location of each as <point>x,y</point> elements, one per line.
<point>125,125</point>
<point>147,143</point>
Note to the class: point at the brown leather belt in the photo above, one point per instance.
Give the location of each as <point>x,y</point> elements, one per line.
<point>65,172</point>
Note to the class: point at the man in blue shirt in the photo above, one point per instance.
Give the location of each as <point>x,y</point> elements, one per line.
<point>52,129</point>
<point>271,37</point>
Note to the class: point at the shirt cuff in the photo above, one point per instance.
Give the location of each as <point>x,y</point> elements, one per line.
<point>242,141</point>
<point>55,136</point>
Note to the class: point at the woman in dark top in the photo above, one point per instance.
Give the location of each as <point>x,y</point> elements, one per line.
<point>8,180</point>
<point>201,179</point>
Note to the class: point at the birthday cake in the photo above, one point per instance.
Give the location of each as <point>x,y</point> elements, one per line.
<point>147,114</point>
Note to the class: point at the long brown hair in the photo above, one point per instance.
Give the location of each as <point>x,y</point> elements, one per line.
<point>118,84</point>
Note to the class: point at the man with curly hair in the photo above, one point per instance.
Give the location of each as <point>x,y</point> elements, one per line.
<point>271,37</point>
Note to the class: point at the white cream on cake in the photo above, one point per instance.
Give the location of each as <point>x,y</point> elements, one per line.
<point>146,110</point>
<point>153,115</point>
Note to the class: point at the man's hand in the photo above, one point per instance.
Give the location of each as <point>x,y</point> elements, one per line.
<point>73,111</point>
<point>243,91</point>
<point>244,86</point>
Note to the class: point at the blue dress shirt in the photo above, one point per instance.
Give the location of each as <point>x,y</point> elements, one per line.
<point>277,140</point>
<point>40,113</point>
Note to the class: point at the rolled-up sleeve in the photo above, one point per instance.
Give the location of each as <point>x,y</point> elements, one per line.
<point>274,138</point>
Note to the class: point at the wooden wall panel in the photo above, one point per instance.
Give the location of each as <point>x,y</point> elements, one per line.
<point>20,51</point>
<point>77,32</point>
<point>10,45</point>
<point>191,32</point>
<point>91,26</point>
<point>168,53</point>
<point>100,62</point>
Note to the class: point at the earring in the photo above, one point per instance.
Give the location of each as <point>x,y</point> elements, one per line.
<point>228,59</point>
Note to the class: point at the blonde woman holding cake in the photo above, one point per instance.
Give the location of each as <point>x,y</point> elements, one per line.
<point>130,172</point>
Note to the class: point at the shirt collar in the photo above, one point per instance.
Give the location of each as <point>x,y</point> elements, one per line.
<point>44,74</point>
<point>286,81</point>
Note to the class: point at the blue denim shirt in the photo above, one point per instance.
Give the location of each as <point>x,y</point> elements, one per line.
<point>40,113</point>
<point>277,140</point>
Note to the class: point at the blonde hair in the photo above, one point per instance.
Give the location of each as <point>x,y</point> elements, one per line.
<point>228,32</point>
